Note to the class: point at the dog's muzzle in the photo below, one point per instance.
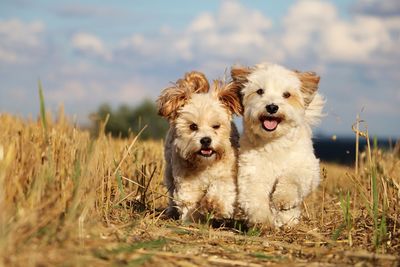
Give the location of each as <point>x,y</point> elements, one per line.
<point>272,108</point>
<point>206,150</point>
<point>270,123</point>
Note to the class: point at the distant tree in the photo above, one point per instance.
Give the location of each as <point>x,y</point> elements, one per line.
<point>125,120</point>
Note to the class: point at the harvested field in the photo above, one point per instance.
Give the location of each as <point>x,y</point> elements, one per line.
<point>70,199</point>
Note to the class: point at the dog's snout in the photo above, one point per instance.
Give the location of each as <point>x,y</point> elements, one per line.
<point>205,141</point>
<point>272,108</point>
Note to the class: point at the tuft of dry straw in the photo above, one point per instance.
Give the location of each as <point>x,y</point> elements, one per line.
<point>1,152</point>
<point>70,199</point>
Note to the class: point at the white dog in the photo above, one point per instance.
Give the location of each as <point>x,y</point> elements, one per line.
<point>277,165</point>
<point>200,147</point>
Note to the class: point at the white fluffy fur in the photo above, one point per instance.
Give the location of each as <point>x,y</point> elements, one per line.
<point>199,185</point>
<point>277,169</point>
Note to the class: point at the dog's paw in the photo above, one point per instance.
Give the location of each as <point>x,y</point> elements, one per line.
<point>285,199</point>
<point>239,214</point>
<point>213,207</point>
<point>287,218</point>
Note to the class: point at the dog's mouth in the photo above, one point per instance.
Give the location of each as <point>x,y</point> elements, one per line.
<point>270,123</point>
<point>206,152</point>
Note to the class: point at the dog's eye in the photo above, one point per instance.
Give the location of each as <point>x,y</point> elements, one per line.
<point>286,95</point>
<point>193,127</point>
<point>260,91</point>
<point>216,126</point>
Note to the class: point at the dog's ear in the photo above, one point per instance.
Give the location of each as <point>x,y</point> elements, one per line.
<point>229,96</point>
<point>175,97</point>
<point>170,100</point>
<point>309,85</point>
<point>240,74</point>
<point>195,81</point>
<point>239,79</point>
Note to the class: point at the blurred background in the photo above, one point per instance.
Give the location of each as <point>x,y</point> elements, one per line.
<point>114,57</point>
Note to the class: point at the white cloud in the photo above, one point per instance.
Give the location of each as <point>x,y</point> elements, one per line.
<point>90,44</point>
<point>131,91</point>
<point>16,31</point>
<point>311,31</point>
<point>304,22</point>
<point>204,22</point>
<point>78,91</point>
<point>233,33</point>
<point>314,28</point>
<point>20,41</point>
<point>353,42</point>
<point>77,10</point>
<point>378,7</point>
<point>146,47</point>
<point>73,90</point>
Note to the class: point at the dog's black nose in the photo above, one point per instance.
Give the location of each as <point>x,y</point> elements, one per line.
<point>205,141</point>
<point>272,108</point>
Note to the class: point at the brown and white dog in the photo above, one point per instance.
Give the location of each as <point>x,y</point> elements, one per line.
<point>200,147</point>
<point>277,165</point>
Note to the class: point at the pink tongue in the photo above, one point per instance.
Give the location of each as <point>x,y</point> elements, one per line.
<point>206,152</point>
<point>270,124</point>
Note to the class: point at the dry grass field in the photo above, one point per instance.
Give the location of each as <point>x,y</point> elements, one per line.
<point>69,199</point>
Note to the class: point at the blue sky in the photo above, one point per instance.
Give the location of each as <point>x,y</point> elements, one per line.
<point>91,52</point>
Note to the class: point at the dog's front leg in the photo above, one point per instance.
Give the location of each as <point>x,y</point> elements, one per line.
<point>187,196</point>
<point>253,196</point>
<point>286,198</point>
<point>292,187</point>
<point>220,199</point>
<point>286,194</point>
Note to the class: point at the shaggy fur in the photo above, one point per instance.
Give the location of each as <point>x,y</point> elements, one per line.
<point>277,165</point>
<point>200,147</point>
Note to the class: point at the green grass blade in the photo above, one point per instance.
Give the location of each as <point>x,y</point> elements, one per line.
<point>375,199</point>
<point>140,261</point>
<point>120,185</point>
<point>375,143</point>
<point>42,107</point>
<point>148,245</point>
<point>265,257</point>
<point>348,214</point>
<point>336,234</point>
